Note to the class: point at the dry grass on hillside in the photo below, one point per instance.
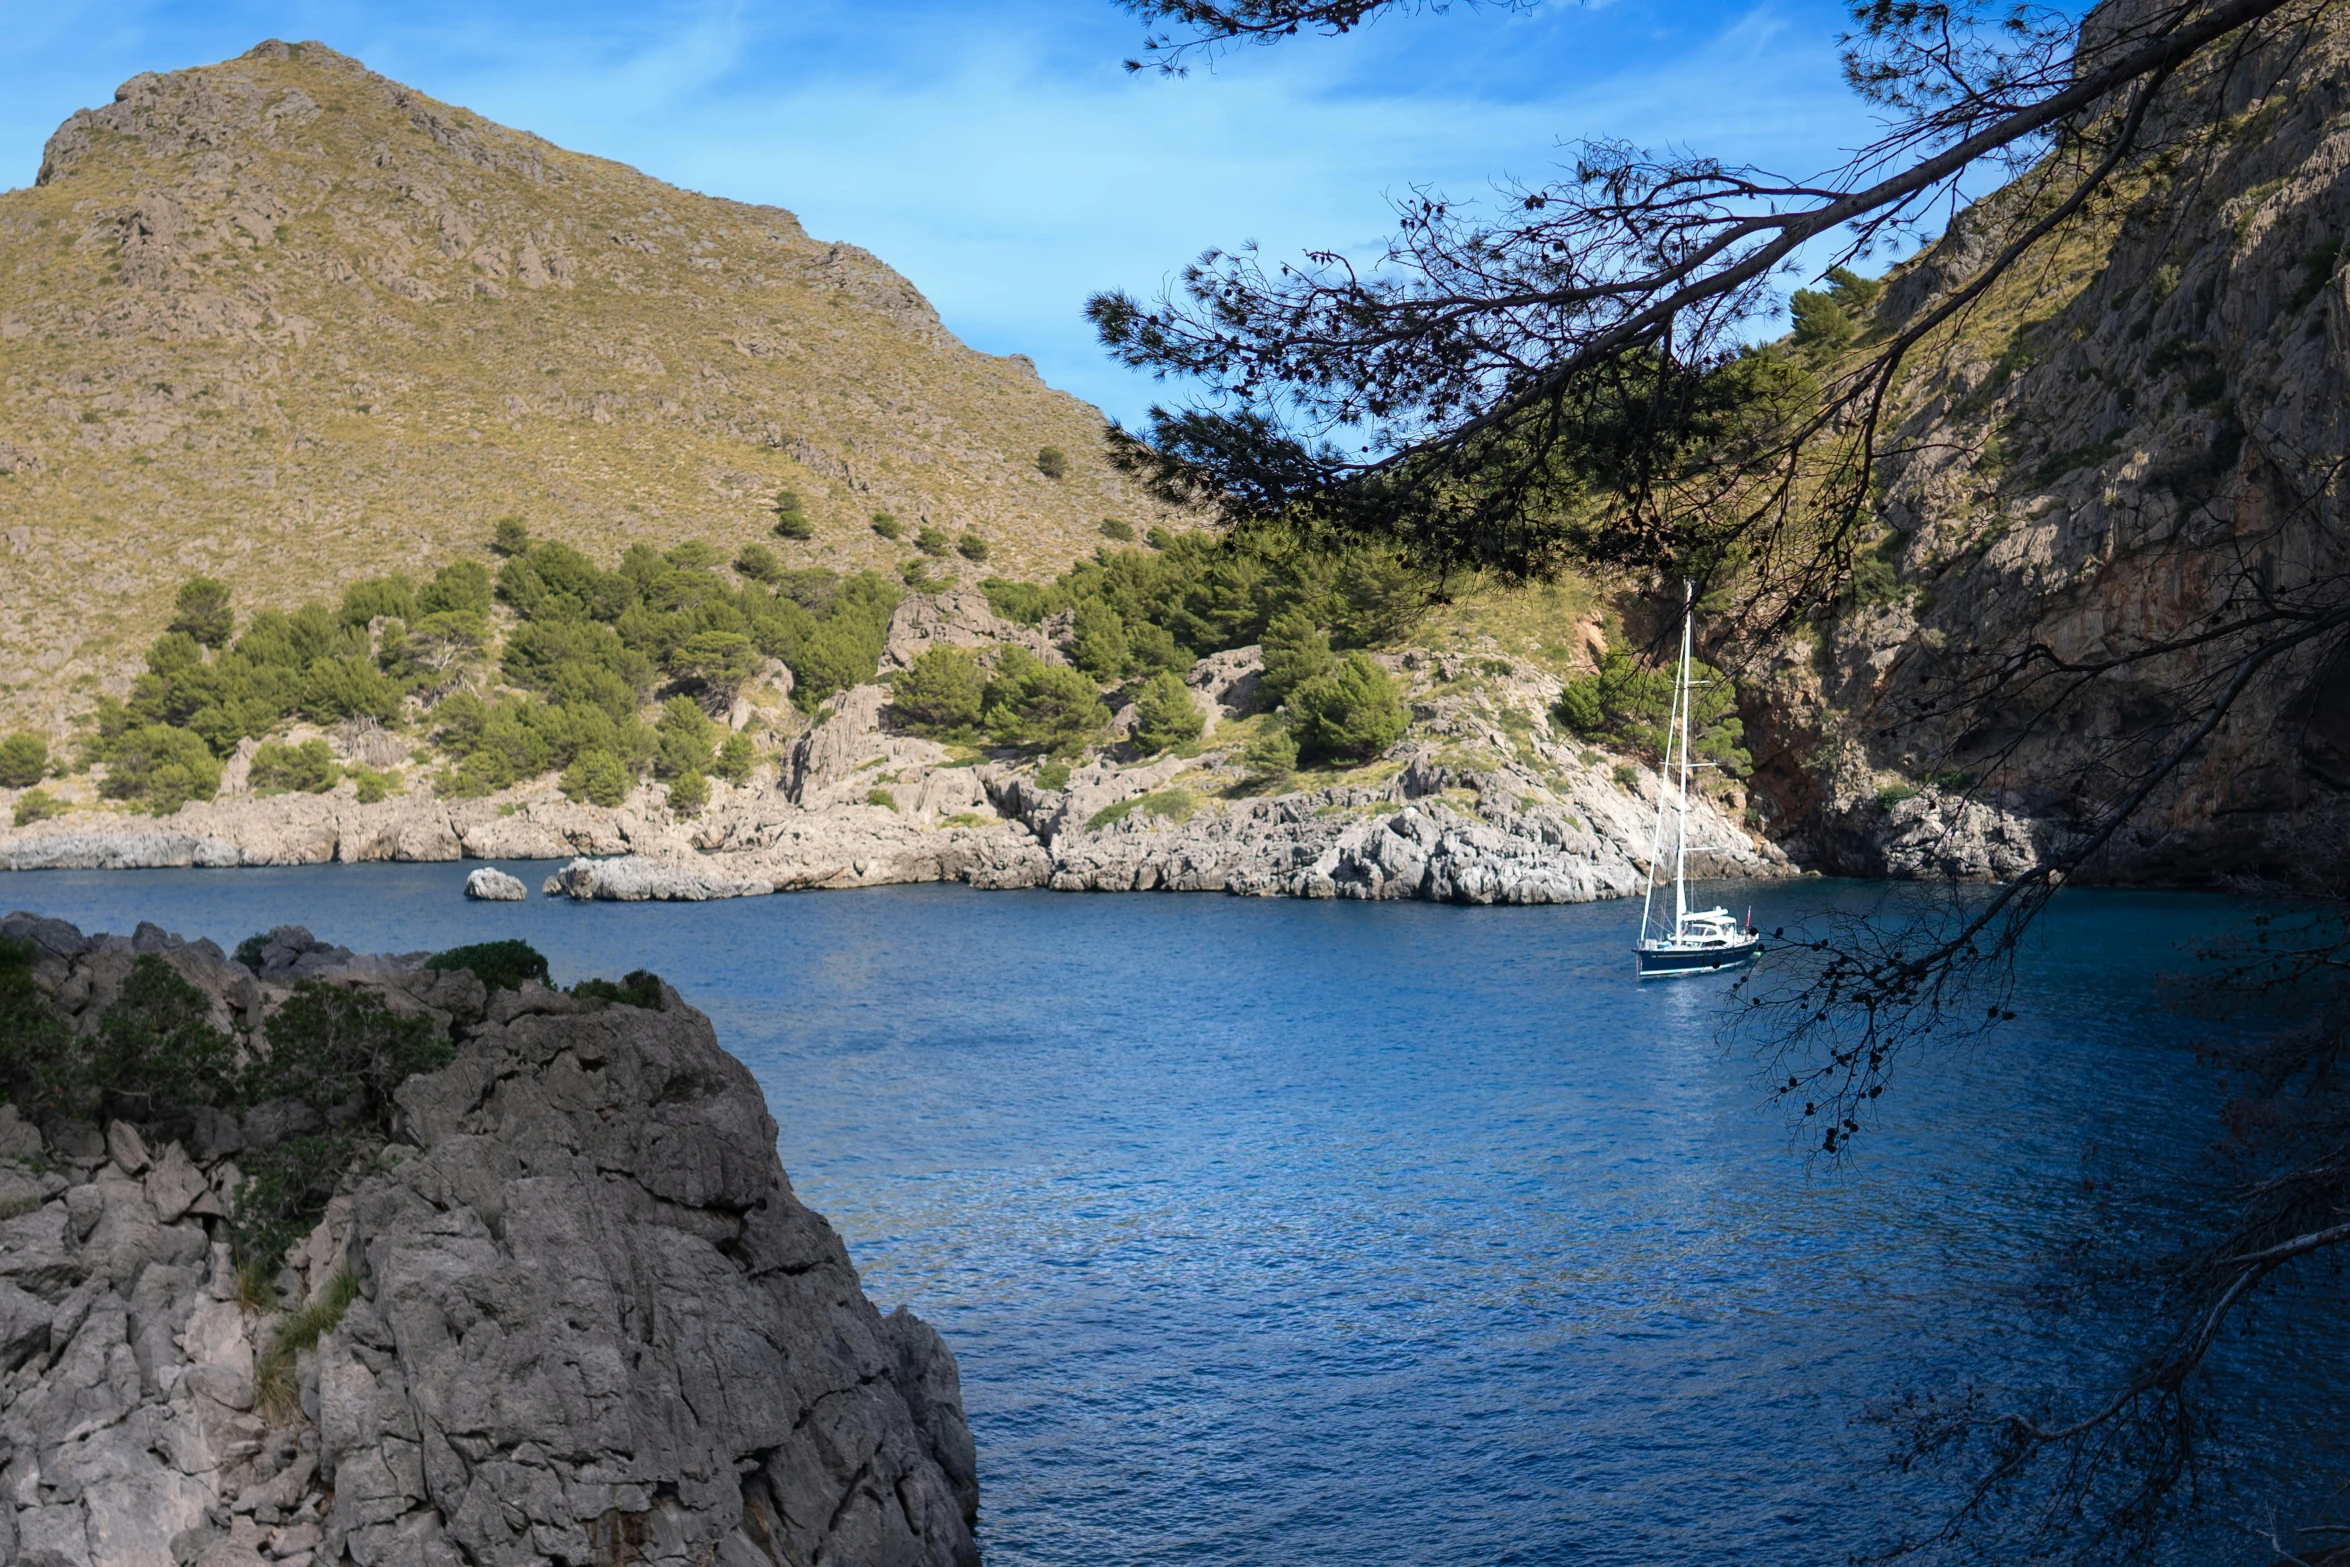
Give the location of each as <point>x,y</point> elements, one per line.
<point>285,322</point>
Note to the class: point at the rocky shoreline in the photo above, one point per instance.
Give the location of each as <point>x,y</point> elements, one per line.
<point>572,1311</point>
<point>1460,811</point>
<point>1425,831</point>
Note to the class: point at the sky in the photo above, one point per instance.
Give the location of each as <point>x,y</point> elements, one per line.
<point>998,154</point>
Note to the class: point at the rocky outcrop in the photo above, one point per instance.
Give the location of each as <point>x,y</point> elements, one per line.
<point>584,1317</point>
<point>2134,439</point>
<point>495,886</point>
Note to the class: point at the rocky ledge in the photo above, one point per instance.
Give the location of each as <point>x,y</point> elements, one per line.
<point>856,802</point>
<point>569,1311</point>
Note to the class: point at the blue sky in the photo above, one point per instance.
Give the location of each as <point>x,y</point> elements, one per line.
<point>997,154</point>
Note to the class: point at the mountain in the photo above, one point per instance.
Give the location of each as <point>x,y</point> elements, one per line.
<point>285,322</point>
<point>2145,422</point>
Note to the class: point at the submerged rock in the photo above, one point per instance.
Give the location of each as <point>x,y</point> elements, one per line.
<point>492,885</point>
<point>588,1320</point>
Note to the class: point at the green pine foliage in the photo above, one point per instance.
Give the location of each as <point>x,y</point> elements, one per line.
<point>690,793</point>
<point>735,759</point>
<point>37,805</point>
<point>308,768</point>
<point>942,695</point>
<point>932,541</point>
<point>201,611</point>
<point>1628,705</point>
<point>500,965</point>
<point>972,547</point>
<point>1040,706</point>
<point>1165,716</point>
<point>1296,650</point>
<point>1350,712</point>
<point>596,777</point>
<point>1097,641</point>
<point>689,741</point>
<point>24,760</point>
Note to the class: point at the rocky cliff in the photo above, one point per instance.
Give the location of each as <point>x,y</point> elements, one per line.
<point>568,1312</point>
<point>286,322</point>
<point>2138,434</point>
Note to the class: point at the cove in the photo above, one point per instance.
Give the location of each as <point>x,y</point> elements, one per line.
<point>1273,1231</point>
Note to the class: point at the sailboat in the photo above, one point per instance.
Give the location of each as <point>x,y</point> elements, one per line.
<point>1697,941</point>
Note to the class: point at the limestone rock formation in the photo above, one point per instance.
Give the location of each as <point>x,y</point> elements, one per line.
<point>2143,426</point>
<point>494,886</point>
<point>585,1320</point>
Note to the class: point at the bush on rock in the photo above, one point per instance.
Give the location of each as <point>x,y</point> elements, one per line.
<point>1351,712</point>
<point>1165,716</point>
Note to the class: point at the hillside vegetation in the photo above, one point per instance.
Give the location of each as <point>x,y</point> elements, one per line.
<point>286,324</point>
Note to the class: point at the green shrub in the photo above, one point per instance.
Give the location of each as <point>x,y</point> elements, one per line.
<point>1052,462</point>
<point>374,787</point>
<point>1165,715</point>
<point>1296,650</point>
<point>758,562</point>
<point>1272,754</point>
<point>1351,711</point>
<point>24,760</point>
<point>915,574</point>
<point>286,1189</point>
<point>156,1049</point>
<point>933,541</point>
<point>882,798</point>
<point>735,759</point>
<point>1170,805</point>
<point>1626,776</point>
<point>942,694</point>
<point>972,547</point>
<point>1024,602</point>
<point>501,965</point>
<point>159,767</point>
<point>887,526</point>
<point>38,1059</point>
<point>371,598</point>
<point>201,611</point>
<point>690,793</point>
<point>1894,793</point>
<point>308,768</point>
<point>596,777</point>
<point>639,988</point>
<point>790,521</point>
<point>688,740</point>
<point>460,588</point>
<point>509,538</point>
<point>1041,706</point>
<point>1097,641</point>
<point>1158,538</point>
<point>1053,775</point>
<point>1631,706</point>
<point>37,805</point>
<point>1122,532</point>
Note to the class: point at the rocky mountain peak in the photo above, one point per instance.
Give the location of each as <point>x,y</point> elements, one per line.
<point>284,321</point>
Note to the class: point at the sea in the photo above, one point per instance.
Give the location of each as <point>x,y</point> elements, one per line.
<point>1376,1235</point>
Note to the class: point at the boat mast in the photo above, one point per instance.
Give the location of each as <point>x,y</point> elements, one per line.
<point>1687,694</point>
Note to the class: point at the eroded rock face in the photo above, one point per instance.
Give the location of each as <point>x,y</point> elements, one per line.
<point>593,1324</point>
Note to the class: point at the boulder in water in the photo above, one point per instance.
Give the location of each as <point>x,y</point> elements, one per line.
<point>491,885</point>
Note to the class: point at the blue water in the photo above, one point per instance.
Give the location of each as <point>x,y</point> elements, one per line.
<point>1278,1232</point>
